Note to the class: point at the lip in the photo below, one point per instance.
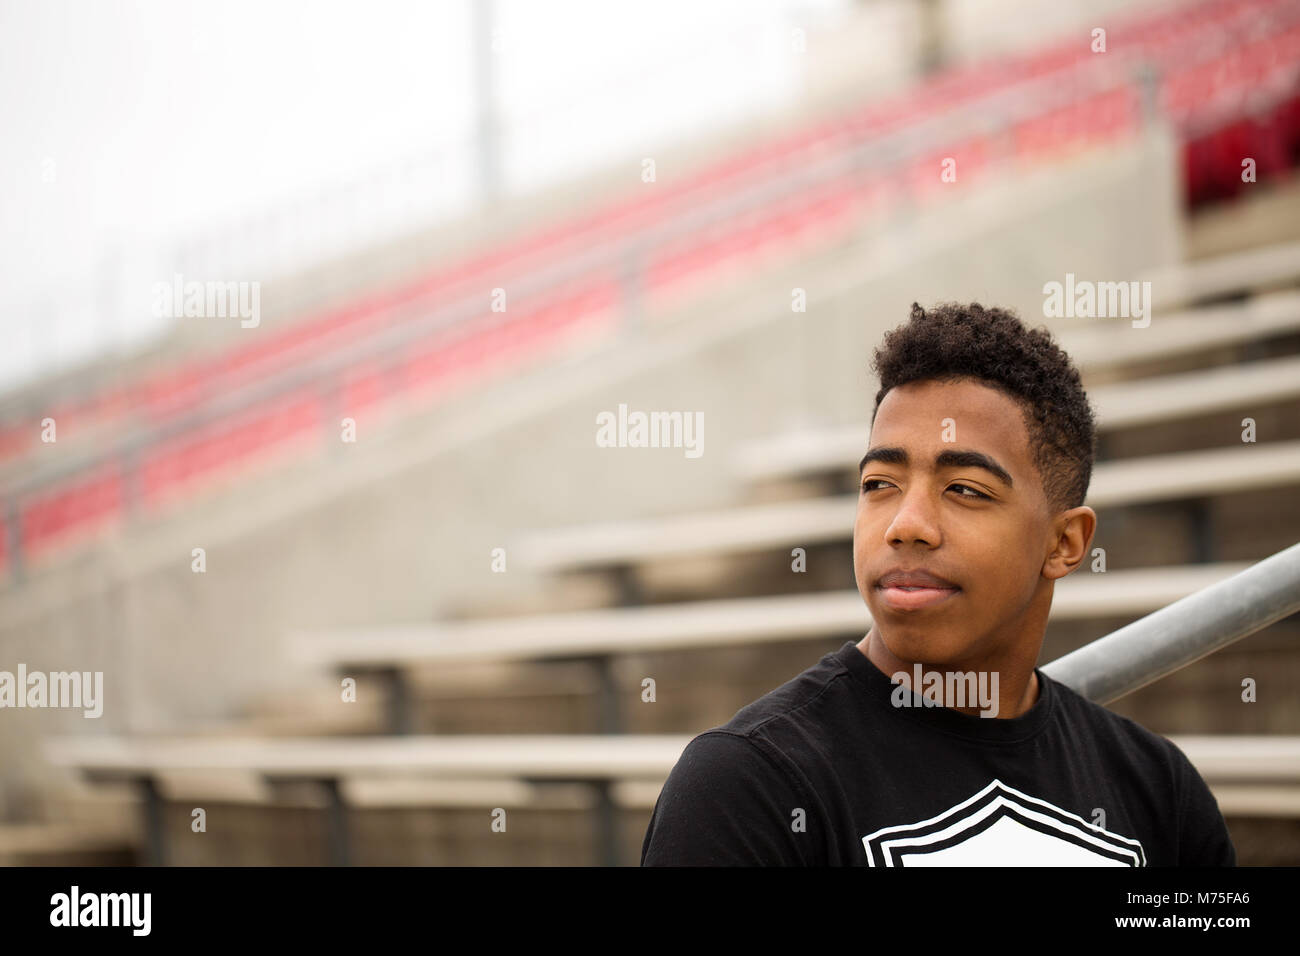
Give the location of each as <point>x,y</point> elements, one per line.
<point>915,578</point>
<point>904,589</point>
<point>899,599</point>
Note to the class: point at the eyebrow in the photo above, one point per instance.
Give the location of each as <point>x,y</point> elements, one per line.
<point>945,459</point>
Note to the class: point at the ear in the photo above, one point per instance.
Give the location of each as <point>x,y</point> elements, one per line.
<point>1072,533</point>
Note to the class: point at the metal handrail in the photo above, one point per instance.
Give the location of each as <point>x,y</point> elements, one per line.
<point>1183,632</point>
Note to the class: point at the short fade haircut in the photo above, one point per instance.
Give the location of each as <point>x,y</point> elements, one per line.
<point>953,341</point>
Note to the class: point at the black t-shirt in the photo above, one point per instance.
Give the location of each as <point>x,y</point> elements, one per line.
<point>826,771</point>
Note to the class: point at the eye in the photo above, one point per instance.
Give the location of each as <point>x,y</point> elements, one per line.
<point>870,483</point>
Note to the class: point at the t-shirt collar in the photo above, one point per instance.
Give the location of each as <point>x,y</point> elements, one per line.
<point>880,690</point>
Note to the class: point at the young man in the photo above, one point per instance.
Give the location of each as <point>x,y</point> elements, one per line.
<point>935,741</point>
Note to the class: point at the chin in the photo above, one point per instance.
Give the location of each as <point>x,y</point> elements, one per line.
<point>919,641</point>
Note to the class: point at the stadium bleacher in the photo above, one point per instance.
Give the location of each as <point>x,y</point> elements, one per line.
<point>426,343</point>
<point>423,328</point>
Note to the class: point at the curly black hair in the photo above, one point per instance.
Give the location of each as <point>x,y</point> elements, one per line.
<point>953,341</point>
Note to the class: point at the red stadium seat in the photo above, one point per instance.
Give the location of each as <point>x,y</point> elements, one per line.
<point>1216,65</point>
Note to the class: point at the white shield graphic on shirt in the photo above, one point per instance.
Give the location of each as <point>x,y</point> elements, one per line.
<point>1000,826</point>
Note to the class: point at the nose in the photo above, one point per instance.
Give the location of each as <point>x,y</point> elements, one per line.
<point>916,519</point>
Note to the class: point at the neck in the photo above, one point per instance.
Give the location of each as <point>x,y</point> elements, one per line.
<point>1011,676</point>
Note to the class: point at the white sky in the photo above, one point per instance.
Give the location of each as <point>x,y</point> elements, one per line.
<point>130,126</point>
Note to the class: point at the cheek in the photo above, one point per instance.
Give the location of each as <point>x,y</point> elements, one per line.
<point>861,549</point>
<point>1005,569</point>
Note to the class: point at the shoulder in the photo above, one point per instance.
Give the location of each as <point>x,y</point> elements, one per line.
<point>721,759</point>
<point>1118,738</point>
<point>726,803</point>
<point>732,795</point>
<point>1126,750</point>
<point>789,727</point>
<point>777,741</point>
<point>800,702</point>
<point>1122,744</point>
<point>761,741</point>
